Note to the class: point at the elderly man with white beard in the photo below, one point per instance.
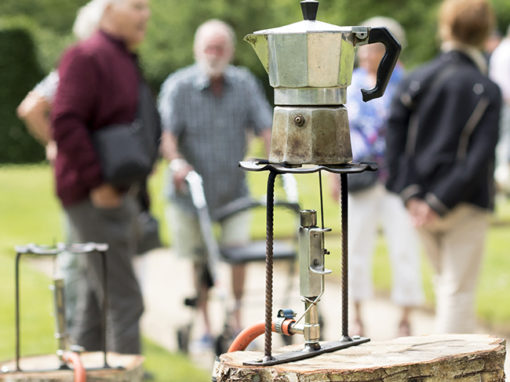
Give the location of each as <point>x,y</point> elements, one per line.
<point>207,111</point>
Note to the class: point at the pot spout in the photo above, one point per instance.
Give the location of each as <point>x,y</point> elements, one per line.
<point>260,45</point>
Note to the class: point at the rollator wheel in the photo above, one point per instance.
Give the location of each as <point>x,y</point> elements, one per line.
<point>224,340</point>
<point>222,343</point>
<point>183,337</point>
<point>321,325</point>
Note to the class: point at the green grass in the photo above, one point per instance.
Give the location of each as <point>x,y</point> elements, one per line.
<point>37,327</point>
<point>36,324</point>
<point>493,306</point>
<point>27,209</point>
<point>30,213</point>
<point>171,367</point>
<point>493,302</point>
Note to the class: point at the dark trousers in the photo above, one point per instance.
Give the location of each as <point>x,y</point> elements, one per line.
<point>116,227</point>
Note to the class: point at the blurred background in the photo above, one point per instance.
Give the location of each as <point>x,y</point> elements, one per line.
<point>33,35</point>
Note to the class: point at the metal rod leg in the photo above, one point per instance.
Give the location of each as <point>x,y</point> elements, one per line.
<point>17,314</point>
<point>321,200</point>
<point>269,265</point>
<point>345,257</point>
<point>105,306</point>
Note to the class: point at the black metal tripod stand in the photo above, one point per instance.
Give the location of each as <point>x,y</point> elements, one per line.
<point>78,249</point>
<point>345,341</point>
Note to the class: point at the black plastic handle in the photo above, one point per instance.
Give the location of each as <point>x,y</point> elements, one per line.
<point>387,63</point>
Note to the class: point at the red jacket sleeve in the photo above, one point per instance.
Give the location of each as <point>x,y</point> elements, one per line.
<point>73,110</point>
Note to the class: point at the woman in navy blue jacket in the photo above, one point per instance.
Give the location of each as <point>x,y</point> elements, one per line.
<point>441,139</point>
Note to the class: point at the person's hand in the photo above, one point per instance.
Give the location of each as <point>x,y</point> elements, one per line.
<point>28,103</point>
<point>334,186</point>
<point>51,151</point>
<point>429,216</point>
<point>105,196</point>
<point>180,168</point>
<point>421,213</point>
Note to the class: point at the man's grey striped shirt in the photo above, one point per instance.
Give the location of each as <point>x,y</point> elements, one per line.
<point>212,130</point>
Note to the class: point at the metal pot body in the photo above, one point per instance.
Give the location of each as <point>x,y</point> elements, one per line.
<point>315,55</point>
<point>310,135</point>
<point>308,60</point>
<point>317,60</point>
<point>310,65</point>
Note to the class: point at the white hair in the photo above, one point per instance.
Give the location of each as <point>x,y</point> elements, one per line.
<point>213,25</point>
<point>392,25</point>
<point>88,18</point>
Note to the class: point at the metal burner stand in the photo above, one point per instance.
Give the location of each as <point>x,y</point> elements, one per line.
<point>32,249</point>
<point>345,341</point>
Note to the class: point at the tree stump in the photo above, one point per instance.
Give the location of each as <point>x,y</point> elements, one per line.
<point>124,368</point>
<point>438,358</point>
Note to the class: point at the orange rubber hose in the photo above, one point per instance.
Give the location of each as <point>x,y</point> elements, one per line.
<point>79,371</point>
<point>245,338</point>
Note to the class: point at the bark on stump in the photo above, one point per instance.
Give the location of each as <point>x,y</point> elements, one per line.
<point>438,358</point>
<point>131,369</point>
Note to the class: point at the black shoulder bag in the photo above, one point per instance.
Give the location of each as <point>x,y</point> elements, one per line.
<point>363,180</point>
<point>127,152</point>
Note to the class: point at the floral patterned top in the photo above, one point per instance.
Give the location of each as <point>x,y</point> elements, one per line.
<point>367,120</point>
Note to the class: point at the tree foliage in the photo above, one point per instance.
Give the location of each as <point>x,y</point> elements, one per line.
<point>55,15</point>
<point>168,45</point>
<point>169,41</point>
<point>18,72</point>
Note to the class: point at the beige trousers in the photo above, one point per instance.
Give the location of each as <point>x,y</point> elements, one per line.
<point>455,245</point>
<point>187,237</point>
<point>369,210</point>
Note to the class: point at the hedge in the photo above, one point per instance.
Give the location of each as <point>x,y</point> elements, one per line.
<point>19,72</point>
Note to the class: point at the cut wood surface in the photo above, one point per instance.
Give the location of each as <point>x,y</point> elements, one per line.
<point>124,368</point>
<point>459,358</point>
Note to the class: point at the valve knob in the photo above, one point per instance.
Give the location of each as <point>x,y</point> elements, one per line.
<point>286,313</point>
<point>309,9</point>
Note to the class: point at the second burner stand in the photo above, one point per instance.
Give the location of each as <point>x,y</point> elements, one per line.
<point>275,169</point>
<point>77,249</point>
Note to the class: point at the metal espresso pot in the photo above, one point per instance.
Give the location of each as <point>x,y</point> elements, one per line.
<point>310,65</point>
